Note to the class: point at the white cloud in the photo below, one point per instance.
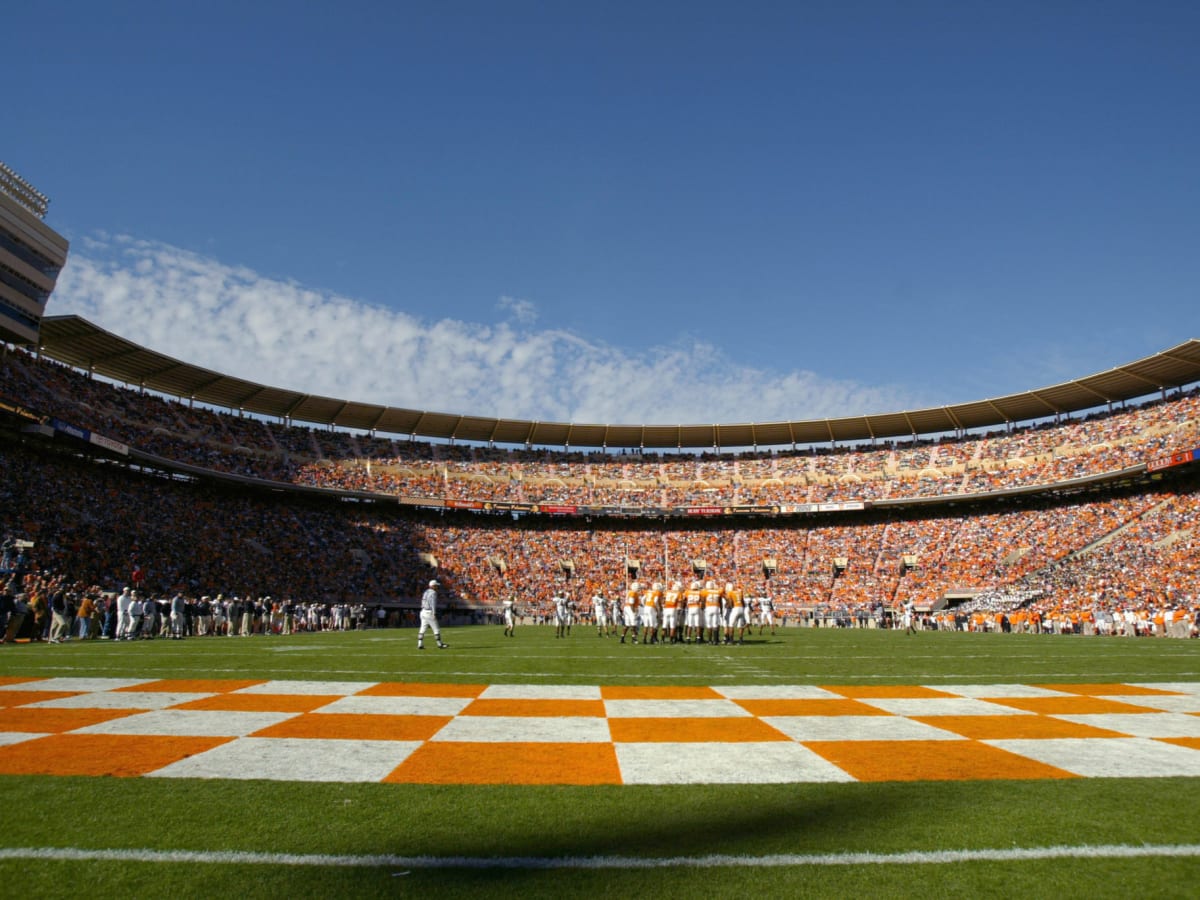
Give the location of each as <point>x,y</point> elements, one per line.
<point>524,311</point>
<point>283,334</point>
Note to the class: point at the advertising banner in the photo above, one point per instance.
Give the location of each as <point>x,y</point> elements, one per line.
<point>109,444</point>
<point>1175,459</point>
<point>66,428</point>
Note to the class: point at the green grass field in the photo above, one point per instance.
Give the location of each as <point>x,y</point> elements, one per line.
<point>533,833</point>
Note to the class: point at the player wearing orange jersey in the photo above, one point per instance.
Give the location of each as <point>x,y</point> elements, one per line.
<point>670,612</point>
<point>735,606</point>
<point>694,601</point>
<point>712,612</point>
<point>651,599</point>
<point>629,612</point>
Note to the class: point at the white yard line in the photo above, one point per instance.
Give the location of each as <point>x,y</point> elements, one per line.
<point>793,677</point>
<point>910,858</point>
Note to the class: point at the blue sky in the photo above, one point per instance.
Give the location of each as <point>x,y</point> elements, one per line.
<point>663,212</point>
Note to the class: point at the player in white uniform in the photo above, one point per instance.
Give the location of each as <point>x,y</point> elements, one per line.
<point>510,616</point>
<point>766,613</point>
<point>124,620</point>
<point>429,617</point>
<point>561,614</point>
<point>219,614</point>
<point>600,612</point>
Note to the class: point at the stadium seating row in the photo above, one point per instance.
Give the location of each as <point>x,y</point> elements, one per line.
<point>1041,454</point>
<point>100,523</point>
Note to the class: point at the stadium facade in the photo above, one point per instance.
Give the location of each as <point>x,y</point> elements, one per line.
<point>31,257</point>
<point>83,345</point>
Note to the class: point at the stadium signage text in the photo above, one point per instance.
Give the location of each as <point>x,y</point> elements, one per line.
<point>87,436</point>
<point>850,506</point>
<point>71,430</point>
<point>430,502</point>
<point>1175,459</point>
<point>109,444</point>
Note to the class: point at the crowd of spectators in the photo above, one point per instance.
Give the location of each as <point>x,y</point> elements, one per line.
<point>1108,563</point>
<point>1037,454</point>
<point>103,527</point>
<point>42,606</point>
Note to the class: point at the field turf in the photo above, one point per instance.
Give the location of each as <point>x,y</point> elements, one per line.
<point>127,837</point>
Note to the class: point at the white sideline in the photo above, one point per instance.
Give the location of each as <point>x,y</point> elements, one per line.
<point>913,857</point>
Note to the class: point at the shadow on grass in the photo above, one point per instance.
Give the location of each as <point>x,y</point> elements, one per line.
<point>538,823</point>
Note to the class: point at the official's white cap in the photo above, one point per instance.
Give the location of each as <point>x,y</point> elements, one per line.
<point>433,584</point>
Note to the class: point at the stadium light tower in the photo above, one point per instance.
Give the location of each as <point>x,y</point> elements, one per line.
<point>31,256</point>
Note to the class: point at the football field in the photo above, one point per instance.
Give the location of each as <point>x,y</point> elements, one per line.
<point>809,763</point>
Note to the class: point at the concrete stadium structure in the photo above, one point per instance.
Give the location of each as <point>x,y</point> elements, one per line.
<point>79,343</point>
<point>31,256</point>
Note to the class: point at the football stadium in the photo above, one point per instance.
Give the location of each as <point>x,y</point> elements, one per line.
<point>264,642</point>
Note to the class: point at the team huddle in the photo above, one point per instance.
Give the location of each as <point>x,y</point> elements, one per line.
<point>701,613</point>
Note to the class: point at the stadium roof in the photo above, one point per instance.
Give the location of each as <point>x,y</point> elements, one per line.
<point>79,343</point>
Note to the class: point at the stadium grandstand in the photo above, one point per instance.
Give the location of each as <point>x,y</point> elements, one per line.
<point>1070,508</point>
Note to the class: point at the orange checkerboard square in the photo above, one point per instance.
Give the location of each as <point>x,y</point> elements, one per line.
<point>1105,690</point>
<point>1001,728</point>
<point>730,730</point>
<point>124,756</point>
<point>496,760</point>
<point>1193,743</point>
<point>885,691</point>
<point>516,763</point>
<point>930,761</point>
<point>537,708</point>
<point>414,689</point>
<point>298,703</point>
<point>768,708</point>
<point>352,726</point>
<point>55,721</point>
<point>191,686</point>
<point>1070,706</point>
<point>637,692</point>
